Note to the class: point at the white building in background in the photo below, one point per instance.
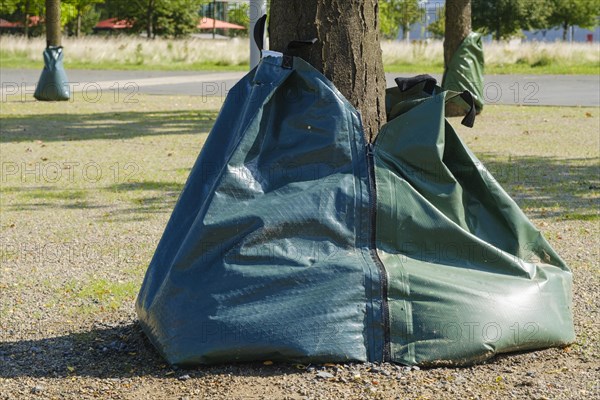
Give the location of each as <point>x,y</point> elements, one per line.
<point>419,30</point>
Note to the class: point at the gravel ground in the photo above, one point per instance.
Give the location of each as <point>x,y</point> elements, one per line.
<point>75,243</point>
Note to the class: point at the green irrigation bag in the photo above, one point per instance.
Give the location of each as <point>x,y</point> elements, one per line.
<point>465,71</point>
<point>53,84</point>
<point>294,240</point>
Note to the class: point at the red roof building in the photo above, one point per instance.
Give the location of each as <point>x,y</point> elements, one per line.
<point>113,24</point>
<point>209,23</point>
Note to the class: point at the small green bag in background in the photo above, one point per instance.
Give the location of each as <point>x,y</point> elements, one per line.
<point>466,68</point>
<point>53,84</point>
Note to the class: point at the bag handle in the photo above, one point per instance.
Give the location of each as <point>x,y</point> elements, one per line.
<point>297,44</point>
<point>259,32</point>
<point>469,119</point>
<point>405,84</point>
<point>259,37</point>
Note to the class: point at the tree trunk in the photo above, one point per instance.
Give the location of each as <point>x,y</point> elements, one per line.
<point>565,31</point>
<point>78,31</point>
<point>347,51</point>
<point>53,34</point>
<point>406,34</point>
<point>149,13</point>
<point>26,21</point>
<point>458,27</point>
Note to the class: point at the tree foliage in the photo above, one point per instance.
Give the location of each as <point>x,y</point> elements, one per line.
<point>8,7</point>
<point>438,27</point>
<point>565,13</point>
<point>239,13</point>
<point>398,14</point>
<point>173,18</point>
<point>505,18</point>
<point>21,11</point>
<point>16,10</point>
<point>79,14</point>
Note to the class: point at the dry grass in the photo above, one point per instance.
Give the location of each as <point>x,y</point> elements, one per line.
<point>139,53</point>
<point>495,53</point>
<point>135,50</point>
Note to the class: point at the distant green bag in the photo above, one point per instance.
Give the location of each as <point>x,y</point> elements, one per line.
<point>465,71</point>
<point>53,84</point>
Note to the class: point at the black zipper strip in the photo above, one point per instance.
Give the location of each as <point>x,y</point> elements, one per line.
<point>385,309</point>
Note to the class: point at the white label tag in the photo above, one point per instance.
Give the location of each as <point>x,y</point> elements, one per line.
<point>271,53</point>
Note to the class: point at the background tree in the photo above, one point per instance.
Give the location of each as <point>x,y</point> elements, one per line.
<point>505,18</point>
<point>175,18</point>
<point>347,52</point>
<point>438,27</point>
<point>399,14</point>
<point>566,13</point>
<point>86,22</point>
<point>23,10</point>
<point>239,13</point>
<point>81,7</point>
<point>53,23</point>
<point>458,27</point>
<point>7,7</point>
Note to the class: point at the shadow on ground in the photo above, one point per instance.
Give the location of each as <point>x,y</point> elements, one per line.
<point>112,125</point>
<point>542,186</point>
<point>549,187</point>
<point>148,197</point>
<point>106,352</point>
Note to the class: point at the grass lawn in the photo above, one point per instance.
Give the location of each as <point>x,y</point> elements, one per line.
<point>11,61</point>
<point>87,188</point>
<point>17,61</point>
<point>134,53</point>
<point>502,69</point>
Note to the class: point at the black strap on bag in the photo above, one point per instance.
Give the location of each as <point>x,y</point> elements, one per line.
<point>288,60</point>
<point>297,44</point>
<point>259,32</point>
<point>292,47</point>
<point>405,84</point>
<point>469,119</point>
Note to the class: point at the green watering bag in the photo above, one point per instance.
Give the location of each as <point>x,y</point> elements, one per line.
<point>465,71</point>
<point>53,84</point>
<point>294,240</point>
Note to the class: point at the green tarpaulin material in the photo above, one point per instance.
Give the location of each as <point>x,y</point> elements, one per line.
<point>465,70</point>
<point>295,240</point>
<point>53,84</point>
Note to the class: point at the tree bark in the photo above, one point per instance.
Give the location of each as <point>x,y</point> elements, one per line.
<point>53,33</point>
<point>78,31</point>
<point>347,51</point>
<point>406,34</point>
<point>458,27</point>
<point>26,21</point>
<point>149,16</point>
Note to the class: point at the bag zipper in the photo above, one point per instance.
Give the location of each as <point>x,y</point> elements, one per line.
<point>385,311</point>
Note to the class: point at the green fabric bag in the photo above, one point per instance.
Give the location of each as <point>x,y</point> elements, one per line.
<point>468,275</point>
<point>294,240</point>
<point>466,69</point>
<point>53,84</point>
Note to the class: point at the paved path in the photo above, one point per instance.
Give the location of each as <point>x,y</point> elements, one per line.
<point>565,90</point>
